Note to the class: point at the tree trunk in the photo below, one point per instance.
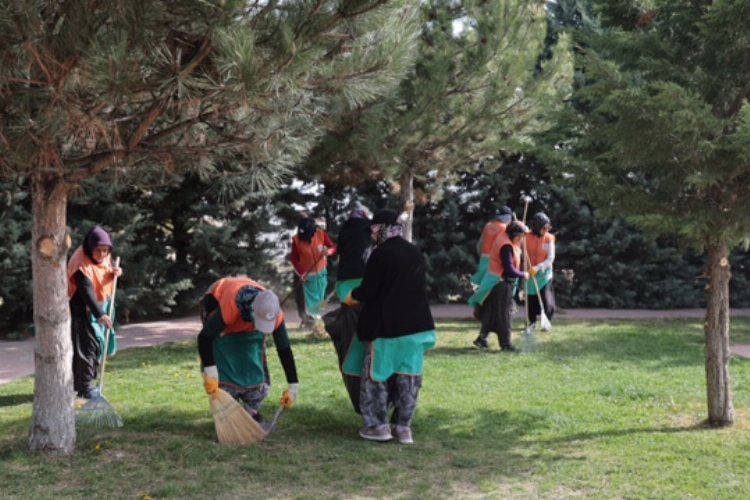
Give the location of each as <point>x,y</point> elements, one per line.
<point>53,428</point>
<point>720,407</point>
<point>407,201</point>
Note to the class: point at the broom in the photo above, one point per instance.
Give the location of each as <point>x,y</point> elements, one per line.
<point>97,412</point>
<point>543,319</point>
<point>527,330</point>
<point>529,340</point>
<point>234,425</point>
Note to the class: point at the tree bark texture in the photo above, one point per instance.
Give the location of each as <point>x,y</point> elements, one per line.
<point>719,387</point>
<point>407,202</point>
<point>53,421</point>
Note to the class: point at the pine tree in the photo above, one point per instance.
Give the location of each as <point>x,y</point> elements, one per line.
<point>662,134</point>
<point>473,92</point>
<point>143,89</point>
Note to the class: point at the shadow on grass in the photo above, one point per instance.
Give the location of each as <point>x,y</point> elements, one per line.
<point>667,342</point>
<point>15,399</point>
<point>591,436</point>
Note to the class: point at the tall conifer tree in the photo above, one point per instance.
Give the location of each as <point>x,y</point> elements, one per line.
<point>234,90</point>
<point>662,133</point>
<point>478,87</point>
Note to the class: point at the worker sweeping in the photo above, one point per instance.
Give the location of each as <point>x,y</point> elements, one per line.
<point>311,247</point>
<point>91,279</point>
<point>540,249</point>
<point>237,313</point>
<point>493,299</point>
<point>490,232</point>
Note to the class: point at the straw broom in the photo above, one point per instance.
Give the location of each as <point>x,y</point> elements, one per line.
<point>97,412</point>
<point>234,425</point>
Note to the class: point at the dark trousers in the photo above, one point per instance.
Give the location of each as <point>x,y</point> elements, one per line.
<point>495,313</point>
<point>85,354</point>
<point>548,299</point>
<point>299,297</point>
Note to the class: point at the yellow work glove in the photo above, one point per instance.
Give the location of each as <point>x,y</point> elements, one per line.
<point>289,396</point>
<point>211,381</point>
<point>532,271</point>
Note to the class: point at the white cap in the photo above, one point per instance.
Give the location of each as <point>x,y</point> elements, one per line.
<point>266,310</point>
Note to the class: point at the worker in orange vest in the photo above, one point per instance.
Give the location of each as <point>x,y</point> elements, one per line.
<point>540,248</point>
<point>490,231</point>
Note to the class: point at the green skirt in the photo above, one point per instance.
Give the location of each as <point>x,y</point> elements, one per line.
<point>402,355</point>
<point>315,292</point>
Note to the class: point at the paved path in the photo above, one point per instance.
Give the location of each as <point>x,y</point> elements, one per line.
<point>17,357</point>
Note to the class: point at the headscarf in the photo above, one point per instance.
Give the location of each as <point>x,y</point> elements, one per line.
<point>360,212</point>
<point>94,238</point>
<point>389,226</point>
<point>306,229</point>
<point>244,300</point>
<point>539,222</point>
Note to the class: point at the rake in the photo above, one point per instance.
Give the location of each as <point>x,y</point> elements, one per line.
<point>529,340</point>
<point>97,412</point>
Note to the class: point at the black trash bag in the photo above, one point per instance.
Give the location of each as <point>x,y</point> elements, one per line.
<point>341,325</point>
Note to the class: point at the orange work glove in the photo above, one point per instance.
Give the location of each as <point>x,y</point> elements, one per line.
<point>289,396</point>
<point>211,381</point>
<point>349,301</point>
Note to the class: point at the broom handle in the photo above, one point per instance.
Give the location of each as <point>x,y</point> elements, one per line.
<point>106,336</point>
<point>536,283</point>
<point>526,284</point>
<point>526,261</point>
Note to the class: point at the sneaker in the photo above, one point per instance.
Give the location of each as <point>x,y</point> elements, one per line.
<point>481,343</point>
<point>509,348</point>
<point>377,433</point>
<point>403,434</point>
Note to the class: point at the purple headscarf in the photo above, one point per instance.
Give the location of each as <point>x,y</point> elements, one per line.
<point>94,238</point>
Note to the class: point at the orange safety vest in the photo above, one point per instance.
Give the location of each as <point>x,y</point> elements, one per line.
<point>496,264</point>
<point>538,247</point>
<point>225,292</point>
<point>490,232</point>
<point>100,275</point>
<point>312,254</point>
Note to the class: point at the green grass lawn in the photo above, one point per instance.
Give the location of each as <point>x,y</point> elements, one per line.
<point>597,410</point>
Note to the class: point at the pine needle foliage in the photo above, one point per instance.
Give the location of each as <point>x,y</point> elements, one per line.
<point>234,90</point>
<point>147,90</point>
<point>660,132</point>
<point>472,92</point>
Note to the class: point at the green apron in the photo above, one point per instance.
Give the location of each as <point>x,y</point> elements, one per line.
<point>484,264</point>
<point>101,332</point>
<point>542,278</point>
<point>345,287</point>
<point>399,355</point>
<point>315,292</point>
<point>240,358</point>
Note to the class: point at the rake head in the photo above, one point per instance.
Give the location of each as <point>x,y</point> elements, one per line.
<point>98,413</point>
<point>528,339</point>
